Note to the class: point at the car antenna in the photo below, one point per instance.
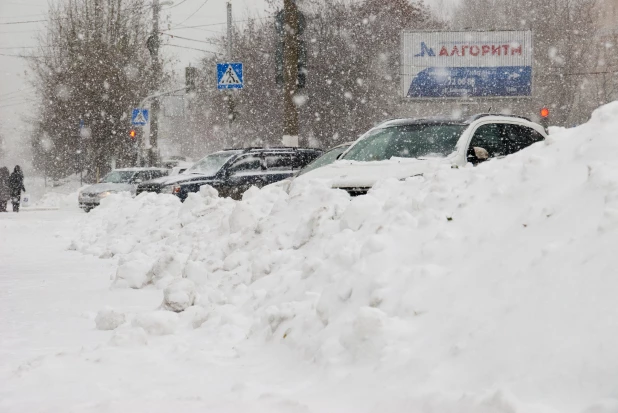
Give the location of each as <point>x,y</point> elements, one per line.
<point>489,110</point>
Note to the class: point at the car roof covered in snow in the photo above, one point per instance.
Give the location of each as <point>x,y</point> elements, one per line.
<point>446,120</point>
<point>139,169</point>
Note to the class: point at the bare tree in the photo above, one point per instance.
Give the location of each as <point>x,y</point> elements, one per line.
<point>352,75</point>
<point>92,66</point>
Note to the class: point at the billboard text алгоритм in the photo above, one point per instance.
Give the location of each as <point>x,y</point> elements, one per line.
<point>466,64</point>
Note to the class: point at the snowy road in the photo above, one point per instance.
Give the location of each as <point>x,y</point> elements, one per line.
<point>53,359</point>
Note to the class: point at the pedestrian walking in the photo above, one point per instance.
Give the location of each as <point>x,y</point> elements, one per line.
<point>5,189</point>
<point>16,182</point>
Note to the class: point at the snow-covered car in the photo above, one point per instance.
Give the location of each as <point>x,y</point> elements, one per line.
<point>405,148</point>
<point>118,180</point>
<point>233,171</point>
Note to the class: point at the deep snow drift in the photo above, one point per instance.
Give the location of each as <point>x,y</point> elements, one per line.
<point>487,289</point>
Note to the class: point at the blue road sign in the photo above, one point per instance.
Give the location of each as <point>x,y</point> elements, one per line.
<point>139,117</point>
<point>230,76</point>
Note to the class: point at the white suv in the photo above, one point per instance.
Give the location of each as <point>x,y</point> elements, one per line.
<point>408,147</point>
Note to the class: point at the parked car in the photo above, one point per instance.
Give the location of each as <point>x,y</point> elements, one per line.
<point>404,148</point>
<point>233,171</point>
<point>118,180</point>
<point>175,161</point>
<point>327,158</point>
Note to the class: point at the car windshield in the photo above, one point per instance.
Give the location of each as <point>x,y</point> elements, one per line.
<point>407,141</point>
<point>326,159</point>
<point>118,177</point>
<point>211,163</point>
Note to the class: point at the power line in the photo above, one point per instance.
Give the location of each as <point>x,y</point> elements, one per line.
<point>22,16</point>
<point>191,48</point>
<point>187,38</point>
<point>15,95</point>
<point>198,9</point>
<point>20,47</point>
<point>175,5</point>
<point>214,24</point>
<point>18,103</point>
<point>21,56</point>
<point>16,91</point>
<point>24,22</point>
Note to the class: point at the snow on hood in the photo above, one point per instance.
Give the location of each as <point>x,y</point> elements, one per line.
<point>426,293</point>
<point>183,177</point>
<point>365,174</point>
<point>104,187</point>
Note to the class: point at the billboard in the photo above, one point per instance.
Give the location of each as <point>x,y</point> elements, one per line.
<point>466,64</point>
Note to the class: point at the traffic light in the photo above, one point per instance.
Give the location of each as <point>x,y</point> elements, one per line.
<point>544,117</point>
<point>544,113</point>
<point>132,134</point>
<point>190,78</point>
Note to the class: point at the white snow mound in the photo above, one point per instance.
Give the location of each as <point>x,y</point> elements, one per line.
<point>179,295</point>
<point>499,277</point>
<point>109,319</point>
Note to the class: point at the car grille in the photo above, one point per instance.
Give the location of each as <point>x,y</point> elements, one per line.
<point>156,188</point>
<point>356,191</point>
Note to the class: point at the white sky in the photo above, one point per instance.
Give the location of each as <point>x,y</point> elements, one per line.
<point>17,96</point>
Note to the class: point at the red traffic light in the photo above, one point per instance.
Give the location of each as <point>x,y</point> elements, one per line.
<point>544,113</point>
<point>132,134</point>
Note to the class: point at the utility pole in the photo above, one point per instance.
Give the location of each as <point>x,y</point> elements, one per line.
<point>156,73</point>
<point>290,73</point>
<point>230,101</point>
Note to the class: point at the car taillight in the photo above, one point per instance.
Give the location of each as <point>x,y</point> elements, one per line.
<point>176,190</point>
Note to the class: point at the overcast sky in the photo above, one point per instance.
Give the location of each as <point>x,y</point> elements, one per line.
<point>20,23</point>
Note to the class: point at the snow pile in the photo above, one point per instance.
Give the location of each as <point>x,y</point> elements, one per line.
<point>47,194</point>
<point>462,290</point>
<point>109,319</point>
<point>56,200</point>
<point>179,295</point>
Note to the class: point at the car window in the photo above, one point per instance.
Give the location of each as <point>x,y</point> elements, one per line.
<point>407,141</point>
<point>142,175</point>
<point>491,138</point>
<point>304,158</point>
<point>520,137</point>
<point>279,161</point>
<point>246,165</point>
<point>326,159</point>
<point>211,164</point>
<point>118,177</point>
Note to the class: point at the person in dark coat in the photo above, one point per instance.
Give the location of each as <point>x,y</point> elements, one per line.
<point>16,182</point>
<point>5,190</point>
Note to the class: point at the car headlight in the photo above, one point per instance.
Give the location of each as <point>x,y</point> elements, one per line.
<point>106,193</point>
<point>170,189</point>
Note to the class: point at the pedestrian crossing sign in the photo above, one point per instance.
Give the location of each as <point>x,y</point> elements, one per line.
<point>139,117</point>
<point>230,76</point>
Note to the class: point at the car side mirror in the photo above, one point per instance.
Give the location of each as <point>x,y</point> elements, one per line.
<point>477,154</point>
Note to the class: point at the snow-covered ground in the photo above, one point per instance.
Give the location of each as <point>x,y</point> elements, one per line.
<point>489,289</point>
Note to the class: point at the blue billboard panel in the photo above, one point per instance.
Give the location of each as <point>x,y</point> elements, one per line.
<point>435,82</point>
